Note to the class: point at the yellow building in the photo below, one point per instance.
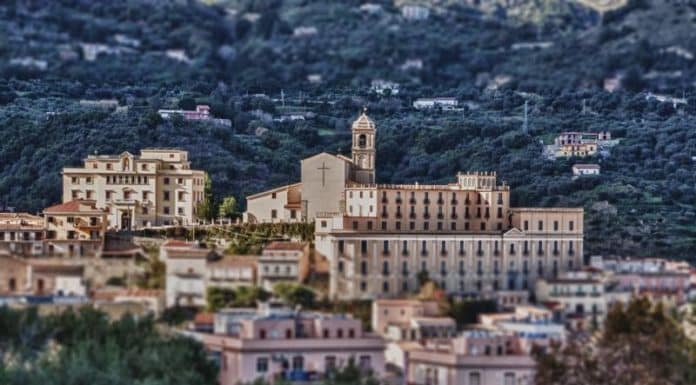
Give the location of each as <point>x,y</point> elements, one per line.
<point>380,239</point>
<point>75,229</point>
<point>156,188</point>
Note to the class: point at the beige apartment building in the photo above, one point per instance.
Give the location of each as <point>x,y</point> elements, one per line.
<point>464,235</point>
<point>157,187</point>
<point>467,238</point>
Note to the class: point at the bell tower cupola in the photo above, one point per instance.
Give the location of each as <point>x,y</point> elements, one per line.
<point>363,149</point>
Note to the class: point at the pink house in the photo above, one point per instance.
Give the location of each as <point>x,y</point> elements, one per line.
<point>475,358</point>
<point>669,287</point>
<point>298,346</point>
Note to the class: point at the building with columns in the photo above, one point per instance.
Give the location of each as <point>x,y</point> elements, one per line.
<point>382,239</point>
<point>157,187</point>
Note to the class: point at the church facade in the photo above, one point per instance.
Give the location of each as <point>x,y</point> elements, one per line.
<point>382,240</point>
<point>324,179</point>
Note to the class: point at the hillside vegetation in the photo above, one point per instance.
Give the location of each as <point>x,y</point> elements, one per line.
<point>642,204</point>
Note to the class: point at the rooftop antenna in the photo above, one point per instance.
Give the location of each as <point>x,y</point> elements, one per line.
<point>525,125</point>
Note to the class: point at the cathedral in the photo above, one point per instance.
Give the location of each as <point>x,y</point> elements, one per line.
<point>382,239</point>
<point>324,180</point>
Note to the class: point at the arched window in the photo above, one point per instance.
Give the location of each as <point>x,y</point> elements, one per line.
<point>362,141</point>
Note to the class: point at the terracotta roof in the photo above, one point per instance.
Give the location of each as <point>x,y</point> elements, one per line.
<point>136,292</point>
<point>177,243</point>
<point>58,269</point>
<point>234,260</point>
<point>204,318</point>
<point>74,206</point>
<point>282,245</point>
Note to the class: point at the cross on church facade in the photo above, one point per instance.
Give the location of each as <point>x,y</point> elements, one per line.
<point>323,169</point>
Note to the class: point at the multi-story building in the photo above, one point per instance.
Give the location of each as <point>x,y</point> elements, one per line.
<point>201,113</point>
<point>21,234</point>
<point>158,187</point>
<point>186,272</point>
<point>534,326</point>
<point>280,262</point>
<point>658,279</point>
<point>20,276</point>
<point>583,298</point>
<point>378,238</point>
<point>410,320</point>
<point>465,236</point>
<point>232,271</point>
<point>405,323</point>
<point>293,346</point>
<point>476,357</point>
<point>76,228</point>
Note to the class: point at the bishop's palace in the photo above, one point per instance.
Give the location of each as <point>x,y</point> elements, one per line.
<point>379,238</point>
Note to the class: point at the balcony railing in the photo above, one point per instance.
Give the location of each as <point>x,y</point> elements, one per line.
<point>412,215</point>
<point>454,202</point>
<point>398,201</point>
<point>412,201</point>
<point>426,201</point>
<point>440,202</point>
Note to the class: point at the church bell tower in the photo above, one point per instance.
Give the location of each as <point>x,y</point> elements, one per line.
<point>363,149</point>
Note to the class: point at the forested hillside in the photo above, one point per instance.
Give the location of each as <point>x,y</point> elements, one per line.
<point>643,203</point>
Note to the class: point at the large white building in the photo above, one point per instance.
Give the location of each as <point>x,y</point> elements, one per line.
<point>380,238</point>
<point>157,187</point>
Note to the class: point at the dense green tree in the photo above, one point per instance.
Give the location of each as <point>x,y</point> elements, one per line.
<point>228,207</point>
<point>639,344</point>
<point>295,294</point>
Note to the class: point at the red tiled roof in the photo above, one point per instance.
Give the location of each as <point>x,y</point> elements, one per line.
<point>204,318</point>
<point>278,245</point>
<point>177,243</point>
<point>74,206</point>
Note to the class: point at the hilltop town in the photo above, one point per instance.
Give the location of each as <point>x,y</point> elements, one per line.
<point>382,192</point>
<point>425,274</point>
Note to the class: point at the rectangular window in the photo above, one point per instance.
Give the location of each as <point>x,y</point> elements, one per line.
<point>571,225</point>
<point>166,195</point>
<point>369,225</point>
<point>384,226</point>
<point>274,214</point>
<point>166,210</point>
<point>541,225</point>
<point>262,365</point>
<point>474,378</point>
<point>165,181</point>
<point>555,225</point>
<point>355,225</point>
<point>526,225</point>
